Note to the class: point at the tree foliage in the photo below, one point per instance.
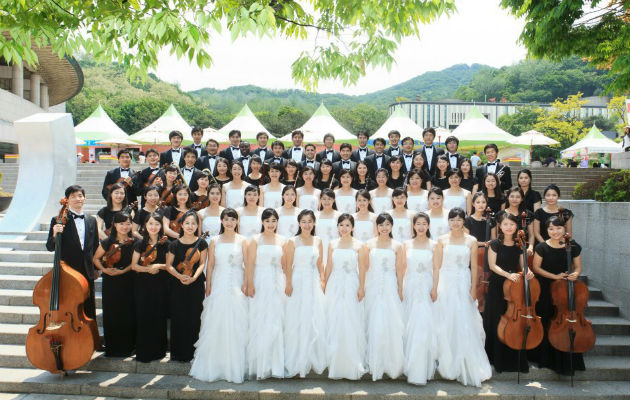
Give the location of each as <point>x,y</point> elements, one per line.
<point>562,122</point>
<point>596,30</point>
<point>348,36</point>
<point>521,121</point>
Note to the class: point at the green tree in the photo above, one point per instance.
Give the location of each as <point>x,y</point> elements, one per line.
<point>562,121</point>
<point>521,121</point>
<point>593,29</point>
<point>361,117</point>
<point>132,32</point>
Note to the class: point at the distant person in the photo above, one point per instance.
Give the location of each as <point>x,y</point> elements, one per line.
<point>329,152</point>
<point>141,158</point>
<point>233,152</point>
<point>430,151</point>
<point>584,162</point>
<point>625,141</point>
<point>174,154</point>
<point>550,161</point>
<point>475,160</point>
<point>296,152</point>
<point>363,151</point>
<point>263,151</point>
<point>502,171</point>
<point>197,135</point>
<point>394,148</point>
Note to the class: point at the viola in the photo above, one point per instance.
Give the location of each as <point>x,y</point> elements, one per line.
<point>176,223</point>
<point>192,257</point>
<point>482,264</point>
<point>149,256</point>
<point>201,203</point>
<point>64,338</point>
<point>113,254</point>
<point>154,179</point>
<point>570,331</point>
<point>520,328</point>
<point>133,206</point>
<point>127,182</point>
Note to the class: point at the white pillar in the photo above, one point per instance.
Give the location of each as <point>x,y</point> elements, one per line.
<point>36,81</point>
<point>17,85</point>
<point>44,100</point>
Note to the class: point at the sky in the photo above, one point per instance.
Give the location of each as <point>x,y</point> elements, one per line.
<point>479,32</point>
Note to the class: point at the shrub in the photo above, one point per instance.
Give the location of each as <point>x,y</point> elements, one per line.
<point>615,188</point>
<point>586,190</point>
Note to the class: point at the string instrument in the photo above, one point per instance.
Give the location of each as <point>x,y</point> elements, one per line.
<point>192,257</point>
<point>113,254</point>
<point>133,206</point>
<point>127,182</point>
<point>482,264</point>
<point>154,179</point>
<point>202,202</point>
<point>64,338</point>
<point>167,197</point>
<point>520,328</point>
<point>149,256</point>
<point>570,331</point>
<point>176,224</point>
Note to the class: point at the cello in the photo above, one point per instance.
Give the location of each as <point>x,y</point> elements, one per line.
<point>520,328</point>
<point>64,338</point>
<point>570,331</point>
<point>482,264</point>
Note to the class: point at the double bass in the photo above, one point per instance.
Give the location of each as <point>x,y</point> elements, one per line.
<point>64,338</point>
<point>520,328</point>
<point>482,264</point>
<point>570,331</point>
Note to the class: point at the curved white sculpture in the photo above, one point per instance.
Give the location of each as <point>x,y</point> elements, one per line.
<point>47,166</point>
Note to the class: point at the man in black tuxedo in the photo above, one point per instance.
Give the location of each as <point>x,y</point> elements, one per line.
<point>296,152</point>
<point>191,174</point>
<point>362,152</point>
<point>329,151</point>
<point>246,157</point>
<point>124,172</point>
<point>407,154</point>
<point>310,160</point>
<point>394,148</point>
<point>345,163</point>
<point>209,161</point>
<point>79,241</point>
<point>454,158</point>
<point>263,151</point>
<point>150,176</point>
<point>197,135</point>
<point>277,149</point>
<point>232,152</point>
<point>494,166</point>
<point>378,159</point>
<point>429,151</point>
<point>174,154</point>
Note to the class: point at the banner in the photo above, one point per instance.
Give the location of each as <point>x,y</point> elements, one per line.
<point>627,111</point>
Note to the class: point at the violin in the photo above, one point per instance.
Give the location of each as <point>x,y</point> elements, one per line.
<point>570,331</point>
<point>202,202</point>
<point>149,256</point>
<point>520,328</point>
<point>113,254</point>
<point>133,206</point>
<point>154,179</point>
<point>192,257</point>
<point>64,338</point>
<point>166,198</point>
<point>482,264</point>
<point>127,182</point>
<point>176,224</point>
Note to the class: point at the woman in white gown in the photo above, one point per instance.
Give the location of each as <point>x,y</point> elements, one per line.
<point>401,215</point>
<point>364,227</point>
<point>417,197</point>
<point>234,190</point>
<point>308,194</point>
<point>266,286</point>
<point>455,195</point>
<point>420,333</point>
<point>249,222</point>
<point>383,301</point>
<point>221,349</point>
<point>346,195</point>
<point>271,193</point>
<point>460,334</point>
<point>305,319</point>
<point>382,195</point>
<point>346,339</point>
<point>210,216</point>
<point>288,212</point>
<point>437,212</point>
<point>327,221</point>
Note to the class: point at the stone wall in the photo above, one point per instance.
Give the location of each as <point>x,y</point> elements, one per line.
<point>621,160</point>
<point>603,231</point>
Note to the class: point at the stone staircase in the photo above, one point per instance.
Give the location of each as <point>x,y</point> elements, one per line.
<point>23,260</point>
<point>565,178</point>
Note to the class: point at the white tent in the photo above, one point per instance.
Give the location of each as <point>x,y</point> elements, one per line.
<point>477,129</point>
<point>400,121</point>
<point>211,133</point>
<point>246,122</point>
<point>158,131</point>
<point>321,123</point>
<point>593,142</point>
<point>98,126</point>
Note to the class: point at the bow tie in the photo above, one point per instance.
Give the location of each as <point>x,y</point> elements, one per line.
<point>235,148</point>
<point>297,149</point>
<point>278,159</point>
<point>408,155</point>
<point>211,157</point>
<point>453,155</point>
<point>155,169</point>
<point>329,151</point>
<point>346,162</point>
<point>175,150</point>
<point>428,147</point>
<point>75,216</point>
<point>363,150</point>
<point>310,162</point>
<point>197,146</point>
<point>124,170</point>
<point>379,156</point>
<point>492,163</point>
<point>188,169</point>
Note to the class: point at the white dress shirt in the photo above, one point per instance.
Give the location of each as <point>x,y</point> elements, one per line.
<point>176,155</point>
<point>429,152</point>
<point>362,153</point>
<point>188,173</point>
<point>124,173</point>
<point>79,223</point>
<point>408,160</point>
<point>296,154</point>
<point>236,152</point>
<point>452,158</point>
<point>492,167</point>
<point>198,148</point>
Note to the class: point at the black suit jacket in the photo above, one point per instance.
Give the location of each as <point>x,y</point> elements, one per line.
<point>227,153</point>
<point>436,152</point>
<point>112,176</point>
<point>71,252</point>
<point>167,158</point>
<point>142,177</point>
<point>193,180</point>
<point>506,178</point>
<point>316,165</point>
<point>288,153</point>
<point>373,165</point>
<point>355,155</point>
<point>268,153</point>
<point>404,164</point>
<point>322,155</point>
<point>204,163</point>
<point>204,152</point>
<point>337,167</point>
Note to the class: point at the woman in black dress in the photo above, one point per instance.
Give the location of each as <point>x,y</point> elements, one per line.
<point>222,172</point>
<point>256,177</point>
<point>533,201</point>
<point>491,187</point>
<point>116,201</point>
<point>475,224</point>
<point>550,264</point>
<point>151,197</point>
<point>325,177</point>
<point>179,206</point>
<point>119,310</point>
<point>551,209</point>
<point>505,262</point>
<point>469,182</point>
<point>291,174</point>
<point>151,289</point>
<point>201,194</point>
<point>186,291</point>
<point>361,178</point>
<point>396,177</point>
<point>441,167</point>
<point>515,205</point>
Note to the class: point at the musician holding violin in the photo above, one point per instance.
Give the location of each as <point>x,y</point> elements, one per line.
<point>173,214</point>
<point>151,289</point>
<point>171,175</point>
<point>113,259</point>
<point>550,265</point>
<point>122,174</point>
<point>152,175</point>
<point>116,202</point>
<point>151,199</point>
<point>199,198</point>
<point>186,261</point>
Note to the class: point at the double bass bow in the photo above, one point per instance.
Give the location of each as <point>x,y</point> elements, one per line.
<point>185,267</point>
<point>570,331</point>
<point>520,328</point>
<point>482,264</point>
<point>64,338</point>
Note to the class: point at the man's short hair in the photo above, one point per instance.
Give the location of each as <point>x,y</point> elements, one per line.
<point>234,132</point>
<point>175,133</point>
<point>259,134</point>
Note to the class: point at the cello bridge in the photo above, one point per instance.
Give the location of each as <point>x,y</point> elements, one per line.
<point>55,326</point>
<point>573,321</point>
<point>527,316</point>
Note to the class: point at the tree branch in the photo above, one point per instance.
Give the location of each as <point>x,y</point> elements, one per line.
<point>61,8</point>
<point>319,28</point>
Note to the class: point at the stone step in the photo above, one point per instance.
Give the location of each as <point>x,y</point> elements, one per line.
<point>18,244</point>
<point>26,256</point>
<point>610,325</point>
<point>138,385</point>
<point>611,345</point>
<point>29,315</point>
<point>27,282</point>
<point>16,333</point>
<point>26,396</point>
<point>32,269</point>
<point>601,308</point>
<point>24,297</point>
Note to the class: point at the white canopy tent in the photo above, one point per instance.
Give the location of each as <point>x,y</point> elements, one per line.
<point>158,131</point>
<point>321,123</point>
<point>593,142</point>
<point>246,122</point>
<point>400,121</point>
<point>477,129</point>
<point>98,126</point>
<point>211,133</point>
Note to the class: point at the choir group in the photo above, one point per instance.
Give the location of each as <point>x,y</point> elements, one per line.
<point>279,262</point>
